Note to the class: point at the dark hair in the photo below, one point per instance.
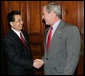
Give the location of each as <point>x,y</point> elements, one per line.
<point>10,17</point>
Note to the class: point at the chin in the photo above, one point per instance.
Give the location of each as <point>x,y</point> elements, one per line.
<point>21,28</point>
<point>47,24</point>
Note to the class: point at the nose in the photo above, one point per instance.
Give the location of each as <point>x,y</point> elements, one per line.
<point>21,22</point>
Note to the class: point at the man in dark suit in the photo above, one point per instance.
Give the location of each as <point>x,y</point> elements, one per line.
<point>16,46</point>
<point>62,43</point>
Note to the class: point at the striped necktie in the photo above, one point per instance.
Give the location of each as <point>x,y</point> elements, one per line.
<point>23,40</point>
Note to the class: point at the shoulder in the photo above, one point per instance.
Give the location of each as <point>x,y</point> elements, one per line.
<point>8,37</point>
<point>71,30</point>
<point>8,34</point>
<point>70,27</point>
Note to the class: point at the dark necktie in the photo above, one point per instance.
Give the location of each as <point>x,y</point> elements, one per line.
<point>49,38</point>
<point>23,40</point>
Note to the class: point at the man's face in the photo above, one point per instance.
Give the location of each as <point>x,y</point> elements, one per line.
<point>46,16</point>
<point>18,23</point>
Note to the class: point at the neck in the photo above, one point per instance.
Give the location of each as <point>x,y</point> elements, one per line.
<point>54,21</point>
<point>16,30</point>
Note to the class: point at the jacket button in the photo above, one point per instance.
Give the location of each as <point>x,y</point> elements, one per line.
<point>46,58</point>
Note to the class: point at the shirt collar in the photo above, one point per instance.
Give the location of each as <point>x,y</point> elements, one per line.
<point>56,24</point>
<point>17,32</point>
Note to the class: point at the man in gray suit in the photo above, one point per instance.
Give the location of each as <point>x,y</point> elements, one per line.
<point>61,54</point>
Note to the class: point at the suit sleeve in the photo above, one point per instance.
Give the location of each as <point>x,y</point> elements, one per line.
<point>12,55</point>
<point>73,50</point>
<point>43,58</point>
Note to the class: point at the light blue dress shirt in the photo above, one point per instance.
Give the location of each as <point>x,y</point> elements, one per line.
<point>54,28</point>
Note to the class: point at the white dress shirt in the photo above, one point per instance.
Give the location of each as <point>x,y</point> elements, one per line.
<point>18,33</point>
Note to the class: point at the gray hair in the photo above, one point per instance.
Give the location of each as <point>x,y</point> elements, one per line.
<point>54,7</point>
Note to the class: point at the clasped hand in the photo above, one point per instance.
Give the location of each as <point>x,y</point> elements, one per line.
<point>38,63</point>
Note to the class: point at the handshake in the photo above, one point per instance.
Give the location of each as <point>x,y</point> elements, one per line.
<point>38,63</point>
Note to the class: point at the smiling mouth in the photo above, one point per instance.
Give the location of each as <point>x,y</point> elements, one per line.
<point>43,21</point>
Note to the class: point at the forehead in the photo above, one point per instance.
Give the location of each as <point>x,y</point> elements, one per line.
<point>44,9</point>
<point>17,16</point>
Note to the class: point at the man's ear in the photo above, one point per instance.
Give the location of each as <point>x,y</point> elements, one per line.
<point>52,13</point>
<point>11,23</point>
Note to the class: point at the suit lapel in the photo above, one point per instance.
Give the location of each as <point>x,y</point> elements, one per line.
<point>58,30</point>
<point>56,33</point>
<point>16,37</point>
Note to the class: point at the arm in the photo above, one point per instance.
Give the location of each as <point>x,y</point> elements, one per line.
<point>73,50</point>
<point>14,56</point>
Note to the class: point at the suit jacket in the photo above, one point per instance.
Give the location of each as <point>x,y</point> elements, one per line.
<point>63,53</point>
<point>19,58</point>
